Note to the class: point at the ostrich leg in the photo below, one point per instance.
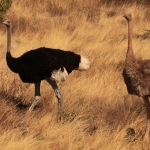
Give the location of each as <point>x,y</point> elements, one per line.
<point>57,92</point>
<point>147,105</point>
<point>37,96</point>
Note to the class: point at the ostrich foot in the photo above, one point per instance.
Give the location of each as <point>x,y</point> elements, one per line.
<point>37,98</point>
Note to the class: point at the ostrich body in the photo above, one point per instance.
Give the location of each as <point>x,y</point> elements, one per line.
<point>43,63</point>
<point>137,75</point>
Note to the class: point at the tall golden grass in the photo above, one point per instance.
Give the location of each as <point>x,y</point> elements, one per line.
<point>98,112</point>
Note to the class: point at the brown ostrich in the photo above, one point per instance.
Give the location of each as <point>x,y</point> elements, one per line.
<point>136,75</point>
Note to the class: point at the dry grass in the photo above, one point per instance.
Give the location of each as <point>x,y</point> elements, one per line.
<point>97,108</point>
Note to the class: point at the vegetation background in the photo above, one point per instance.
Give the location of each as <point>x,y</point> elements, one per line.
<point>98,112</point>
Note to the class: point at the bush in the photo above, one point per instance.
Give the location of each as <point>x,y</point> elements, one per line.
<point>4,6</point>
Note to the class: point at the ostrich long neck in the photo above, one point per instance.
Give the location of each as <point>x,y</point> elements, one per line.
<point>11,61</point>
<point>8,38</point>
<point>130,55</point>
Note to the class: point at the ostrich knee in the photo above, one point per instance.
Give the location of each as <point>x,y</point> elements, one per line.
<point>59,97</point>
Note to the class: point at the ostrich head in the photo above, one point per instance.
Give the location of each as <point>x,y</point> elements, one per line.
<point>6,22</point>
<point>128,17</point>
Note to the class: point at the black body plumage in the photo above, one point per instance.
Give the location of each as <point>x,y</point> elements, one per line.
<point>37,64</point>
<point>52,65</point>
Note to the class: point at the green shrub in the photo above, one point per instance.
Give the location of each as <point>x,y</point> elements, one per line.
<point>4,6</point>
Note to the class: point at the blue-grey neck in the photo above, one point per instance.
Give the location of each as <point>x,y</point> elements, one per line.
<point>8,38</point>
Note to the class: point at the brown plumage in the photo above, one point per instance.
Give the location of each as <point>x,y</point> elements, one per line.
<point>136,75</point>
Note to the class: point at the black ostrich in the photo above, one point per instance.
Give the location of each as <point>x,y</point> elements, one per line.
<point>44,63</point>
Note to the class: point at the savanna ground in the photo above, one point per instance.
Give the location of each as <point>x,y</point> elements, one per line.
<point>98,112</point>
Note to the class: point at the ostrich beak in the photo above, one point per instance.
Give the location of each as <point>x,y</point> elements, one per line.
<point>5,22</point>
<point>124,16</point>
